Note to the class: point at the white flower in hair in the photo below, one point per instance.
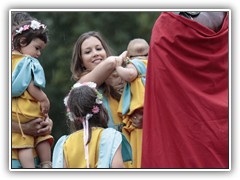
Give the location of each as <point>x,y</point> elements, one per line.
<point>35,24</point>
<point>19,31</point>
<point>66,100</point>
<point>92,85</point>
<point>89,84</point>
<point>70,116</point>
<point>76,85</point>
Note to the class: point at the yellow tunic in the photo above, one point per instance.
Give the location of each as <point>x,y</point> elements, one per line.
<point>101,149</point>
<point>133,134</point>
<point>24,109</point>
<point>113,103</point>
<point>74,156</point>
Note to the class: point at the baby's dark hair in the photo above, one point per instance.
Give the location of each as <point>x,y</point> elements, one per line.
<point>24,38</point>
<point>80,103</point>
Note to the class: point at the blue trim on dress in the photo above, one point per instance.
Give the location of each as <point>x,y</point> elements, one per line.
<point>58,156</point>
<point>107,106</point>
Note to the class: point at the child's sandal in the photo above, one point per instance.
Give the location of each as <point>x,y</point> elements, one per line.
<point>46,164</point>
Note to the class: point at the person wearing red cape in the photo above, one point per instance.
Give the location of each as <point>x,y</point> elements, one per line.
<point>186,113</point>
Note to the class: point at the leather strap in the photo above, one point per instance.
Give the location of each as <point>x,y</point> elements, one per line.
<point>188,14</point>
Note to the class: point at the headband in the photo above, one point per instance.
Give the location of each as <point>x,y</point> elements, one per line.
<point>34,25</point>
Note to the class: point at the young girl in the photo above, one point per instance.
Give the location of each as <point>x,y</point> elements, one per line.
<point>91,143</point>
<point>28,100</point>
<point>132,99</point>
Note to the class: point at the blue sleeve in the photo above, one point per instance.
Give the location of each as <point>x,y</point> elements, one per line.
<point>141,67</point>
<point>109,143</point>
<point>58,156</point>
<point>27,69</point>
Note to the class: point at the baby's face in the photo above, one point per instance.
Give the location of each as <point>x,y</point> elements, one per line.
<point>34,48</point>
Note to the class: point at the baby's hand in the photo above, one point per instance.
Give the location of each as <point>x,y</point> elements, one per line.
<point>120,59</point>
<point>45,105</point>
<point>123,55</point>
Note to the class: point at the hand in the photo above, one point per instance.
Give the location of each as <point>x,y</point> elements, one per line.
<point>45,105</point>
<point>31,128</point>
<point>137,118</point>
<point>118,61</point>
<point>123,55</point>
<point>121,58</point>
<point>37,127</point>
<point>46,127</point>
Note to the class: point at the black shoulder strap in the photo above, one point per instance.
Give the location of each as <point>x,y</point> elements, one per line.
<point>188,14</point>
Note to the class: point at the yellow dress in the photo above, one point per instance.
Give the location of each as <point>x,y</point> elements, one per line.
<point>136,101</point>
<point>101,149</point>
<point>24,109</point>
<point>74,157</point>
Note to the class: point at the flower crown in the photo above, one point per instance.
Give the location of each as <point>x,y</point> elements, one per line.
<point>95,108</point>
<point>34,25</point>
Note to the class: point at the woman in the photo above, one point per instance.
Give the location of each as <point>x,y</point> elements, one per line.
<point>92,61</point>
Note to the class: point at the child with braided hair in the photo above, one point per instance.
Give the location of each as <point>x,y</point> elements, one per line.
<point>91,143</point>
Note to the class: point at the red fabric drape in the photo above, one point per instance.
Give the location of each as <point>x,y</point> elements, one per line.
<point>186,100</point>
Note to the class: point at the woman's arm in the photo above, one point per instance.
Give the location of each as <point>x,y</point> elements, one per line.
<point>117,161</point>
<point>103,70</point>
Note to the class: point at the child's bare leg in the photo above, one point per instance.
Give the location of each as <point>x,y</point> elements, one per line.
<point>26,158</point>
<point>44,154</point>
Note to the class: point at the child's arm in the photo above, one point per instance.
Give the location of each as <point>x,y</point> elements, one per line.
<point>39,95</point>
<point>129,73</point>
<point>117,161</point>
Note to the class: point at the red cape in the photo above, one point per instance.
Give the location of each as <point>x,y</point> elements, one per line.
<point>186,102</point>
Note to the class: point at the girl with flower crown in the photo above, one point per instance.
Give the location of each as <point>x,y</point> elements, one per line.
<point>28,100</point>
<point>91,143</point>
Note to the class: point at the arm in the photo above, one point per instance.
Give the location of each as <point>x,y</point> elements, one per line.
<point>36,127</point>
<point>39,95</point>
<point>64,163</point>
<point>129,73</point>
<point>103,70</point>
<point>212,20</point>
<point>117,161</point>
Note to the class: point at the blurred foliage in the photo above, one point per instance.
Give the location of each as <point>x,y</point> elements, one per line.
<point>117,27</point>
